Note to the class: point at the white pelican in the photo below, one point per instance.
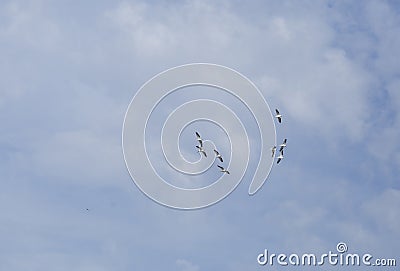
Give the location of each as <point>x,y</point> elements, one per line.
<point>201,150</point>
<point>218,156</point>
<point>273,149</point>
<point>278,116</point>
<point>199,139</point>
<point>280,157</point>
<point>223,169</point>
<point>283,145</point>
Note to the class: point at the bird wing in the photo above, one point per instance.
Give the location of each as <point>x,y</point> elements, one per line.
<point>279,159</point>
<point>216,152</point>
<point>280,120</point>
<point>197,134</point>
<point>220,158</point>
<point>220,167</point>
<point>277,112</point>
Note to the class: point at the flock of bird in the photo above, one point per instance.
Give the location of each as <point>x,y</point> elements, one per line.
<point>278,116</point>
<point>201,150</point>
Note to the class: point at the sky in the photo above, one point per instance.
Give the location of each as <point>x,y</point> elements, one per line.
<point>70,69</point>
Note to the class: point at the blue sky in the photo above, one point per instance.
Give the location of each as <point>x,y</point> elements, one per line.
<point>69,71</point>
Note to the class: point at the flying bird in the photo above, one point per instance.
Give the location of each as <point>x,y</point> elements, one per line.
<point>278,115</point>
<point>201,150</point>
<point>218,155</point>
<point>280,157</point>
<point>273,149</point>
<point>223,169</point>
<point>199,139</point>
<point>283,145</point>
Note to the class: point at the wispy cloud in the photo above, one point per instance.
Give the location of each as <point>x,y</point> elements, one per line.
<point>68,73</point>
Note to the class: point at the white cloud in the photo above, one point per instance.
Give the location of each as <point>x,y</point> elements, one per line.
<point>146,35</point>
<point>81,154</point>
<point>323,85</point>
<point>380,39</point>
<point>324,82</point>
<point>65,89</point>
<point>185,265</point>
<point>194,31</point>
<point>386,32</point>
<point>27,24</point>
<point>383,211</point>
